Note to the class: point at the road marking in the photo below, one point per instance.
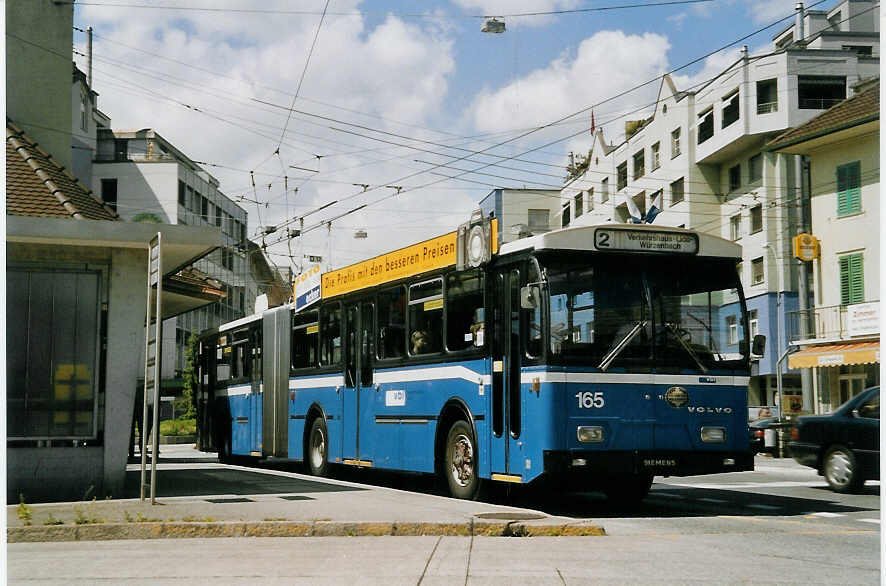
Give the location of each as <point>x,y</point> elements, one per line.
<point>743,485</point>
<point>708,500</point>
<point>765,507</point>
<point>876,521</point>
<point>826,514</point>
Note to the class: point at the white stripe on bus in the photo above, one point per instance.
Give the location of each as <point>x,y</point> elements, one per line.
<point>433,373</point>
<point>623,378</point>
<point>238,390</point>
<point>315,382</point>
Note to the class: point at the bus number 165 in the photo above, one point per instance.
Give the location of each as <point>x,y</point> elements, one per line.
<point>590,399</point>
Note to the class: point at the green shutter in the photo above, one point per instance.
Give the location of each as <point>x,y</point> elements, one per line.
<point>851,279</point>
<point>849,188</point>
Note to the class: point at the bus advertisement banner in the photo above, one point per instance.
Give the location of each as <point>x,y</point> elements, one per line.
<point>307,287</point>
<point>412,260</point>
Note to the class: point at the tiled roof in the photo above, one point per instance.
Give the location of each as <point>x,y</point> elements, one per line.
<point>860,108</point>
<point>36,185</point>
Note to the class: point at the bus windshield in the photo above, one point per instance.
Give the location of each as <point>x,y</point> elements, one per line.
<point>633,313</point>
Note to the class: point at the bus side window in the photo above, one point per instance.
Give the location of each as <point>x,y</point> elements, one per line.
<point>330,335</point>
<point>392,323</point>
<point>305,335</point>
<point>426,317</point>
<point>222,360</point>
<point>464,310</point>
<point>534,341</point>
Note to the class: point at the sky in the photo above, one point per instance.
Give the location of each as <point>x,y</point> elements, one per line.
<point>405,108</point>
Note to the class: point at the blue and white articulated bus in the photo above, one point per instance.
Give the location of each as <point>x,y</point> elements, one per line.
<point>595,356</point>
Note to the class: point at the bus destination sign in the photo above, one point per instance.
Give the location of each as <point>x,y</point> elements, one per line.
<point>645,241</point>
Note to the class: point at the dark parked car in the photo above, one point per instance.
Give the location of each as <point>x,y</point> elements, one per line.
<point>757,430</point>
<point>843,446</point>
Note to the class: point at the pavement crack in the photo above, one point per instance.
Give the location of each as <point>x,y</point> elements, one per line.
<point>468,565</point>
<point>562,579</point>
<point>430,557</point>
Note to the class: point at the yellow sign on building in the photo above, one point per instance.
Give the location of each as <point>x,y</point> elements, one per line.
<point>806,247</point>
<point>425,256</point>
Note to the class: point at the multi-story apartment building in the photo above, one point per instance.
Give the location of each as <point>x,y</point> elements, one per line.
<point>842,343</point>
<point>522,212</point>
<point>699,159</point>
<point>145,178</point>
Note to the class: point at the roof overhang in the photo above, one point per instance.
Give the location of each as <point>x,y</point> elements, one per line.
<point>804,144</point>
<point>836,355</point>
<point>182,245</point>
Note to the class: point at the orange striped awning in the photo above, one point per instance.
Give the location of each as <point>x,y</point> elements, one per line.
<point>836,355</point>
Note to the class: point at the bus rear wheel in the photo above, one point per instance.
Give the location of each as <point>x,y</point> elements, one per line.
<point>460,467</point>
<point>317,449</point>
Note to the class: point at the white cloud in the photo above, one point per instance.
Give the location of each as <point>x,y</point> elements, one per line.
<point>767,11</point>
<point>393,70</point>
<point>604,65</point>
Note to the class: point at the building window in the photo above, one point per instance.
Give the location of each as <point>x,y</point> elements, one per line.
<point>579,203</point>
<point>84,110</point>
<point>109,192</point>
<point>677,191</point>
<point>675,143</point>
<point>604,190</point>
<point>756,218</point>
<point>757,271</point>
<point>851,279</point>
<point>204,208</point>
<point>755,168</point>
<point>121,149</point>
<point>732,328</point>
<point>705,125</point>
<point>735,227</point>
<point>639,164</point>
<point>51,381</point>
<point>730,109</point>
<point>849,188</point>
<point>539,220</point>
<point>621,178</point>
<point>734,177</point>
<point>218,216</point>
<point>656,156</point>
<point>767,96</point>
<point>819,92</point>
<point>181,193</point>
<point>591,199</point>
<point>860,50</point>
<point>753,323</point>
<point>564,215</point>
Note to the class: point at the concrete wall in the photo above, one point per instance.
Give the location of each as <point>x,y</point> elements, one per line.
<point>82,140</point>
<point>38,72</point>
<point>843,235</point>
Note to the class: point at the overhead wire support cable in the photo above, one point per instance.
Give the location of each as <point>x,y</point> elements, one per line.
<point>303,72</point>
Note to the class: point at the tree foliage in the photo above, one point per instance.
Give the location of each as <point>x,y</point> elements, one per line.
<point>189,376</point>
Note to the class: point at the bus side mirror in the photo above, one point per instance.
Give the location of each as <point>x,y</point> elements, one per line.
<point>530,298</point>
<point>758,346</point>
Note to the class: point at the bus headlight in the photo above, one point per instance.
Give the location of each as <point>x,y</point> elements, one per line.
<point>590,434</point>
<point>713,435</point>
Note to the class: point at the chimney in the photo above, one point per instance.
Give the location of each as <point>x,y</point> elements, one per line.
<point>89,56</point>
<point>744,52</point>
<point>799,33</point>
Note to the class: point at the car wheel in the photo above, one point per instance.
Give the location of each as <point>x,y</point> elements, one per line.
<point>841,470</point>
<point>460,466</point>
<point>317,452</point>
<point>628,490</point>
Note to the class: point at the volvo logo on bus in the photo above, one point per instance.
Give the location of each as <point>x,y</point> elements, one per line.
<point>677,397</point>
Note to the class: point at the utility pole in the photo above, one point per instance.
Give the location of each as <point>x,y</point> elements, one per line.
<point>804,226</point>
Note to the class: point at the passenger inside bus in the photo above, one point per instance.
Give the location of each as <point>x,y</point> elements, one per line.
<point>420,342</point>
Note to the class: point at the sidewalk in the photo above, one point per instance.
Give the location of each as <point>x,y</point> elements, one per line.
<point>201,498</point>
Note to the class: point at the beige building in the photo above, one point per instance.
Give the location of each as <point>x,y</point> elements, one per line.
<point>842,146</point>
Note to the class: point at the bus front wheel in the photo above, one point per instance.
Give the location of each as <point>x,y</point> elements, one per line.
<point>317,456</point>
<point>461,462</point>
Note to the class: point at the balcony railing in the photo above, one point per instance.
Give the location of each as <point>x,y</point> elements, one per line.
<point>767,107</point>
<point>818,103</point>
<point>834,323</point>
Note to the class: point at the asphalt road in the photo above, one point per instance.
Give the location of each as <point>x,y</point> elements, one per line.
<point>777,525</point>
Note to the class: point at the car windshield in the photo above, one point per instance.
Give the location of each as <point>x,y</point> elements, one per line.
<point>636,313</point>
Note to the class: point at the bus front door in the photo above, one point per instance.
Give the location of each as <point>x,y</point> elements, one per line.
<point>506,443</point>
<point>357,401</point>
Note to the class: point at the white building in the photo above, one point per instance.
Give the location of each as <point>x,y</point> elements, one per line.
<point>145,178</point>
<point>698,159</point>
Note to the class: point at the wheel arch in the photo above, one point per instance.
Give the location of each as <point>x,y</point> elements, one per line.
<point>453,410</point>
<point>315,411</point>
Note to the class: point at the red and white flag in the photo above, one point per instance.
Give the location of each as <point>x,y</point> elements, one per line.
<point>593,126</point>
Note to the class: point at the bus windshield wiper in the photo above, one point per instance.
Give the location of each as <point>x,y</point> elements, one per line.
<point>673,329</point>
<point>620,345</point>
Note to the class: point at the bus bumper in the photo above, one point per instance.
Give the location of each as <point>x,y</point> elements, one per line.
<point>590,464</point>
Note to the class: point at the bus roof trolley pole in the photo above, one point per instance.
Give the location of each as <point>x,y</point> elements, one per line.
<point>153,354</point>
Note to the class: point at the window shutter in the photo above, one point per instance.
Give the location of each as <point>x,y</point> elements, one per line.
<point>844,280</point>
<point>856,278</point>
<point>849,188</point>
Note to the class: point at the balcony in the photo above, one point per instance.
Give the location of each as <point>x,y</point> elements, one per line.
<point>835,323</point>
<point>767,107</point>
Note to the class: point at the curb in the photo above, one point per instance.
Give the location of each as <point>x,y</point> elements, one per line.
<point>182,530</point>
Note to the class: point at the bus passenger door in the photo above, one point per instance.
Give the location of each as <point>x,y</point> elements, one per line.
<point>253,362</point>
<point>506,454</point>
<point>357,416</point>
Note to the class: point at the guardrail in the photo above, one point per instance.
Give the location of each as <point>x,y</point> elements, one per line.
<point>834,322</point>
